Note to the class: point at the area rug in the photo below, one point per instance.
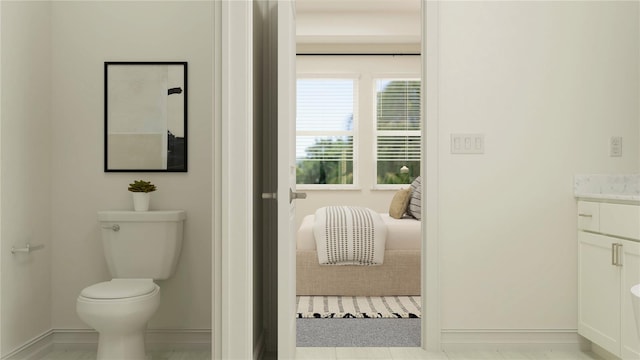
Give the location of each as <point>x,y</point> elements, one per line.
<point>338,332</point>
<point>367,307</point>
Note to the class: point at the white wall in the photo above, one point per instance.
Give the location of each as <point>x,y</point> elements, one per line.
<point>547,83</point>
<point>25,171</point>
<point>85,34</point>
<point>364,68</point>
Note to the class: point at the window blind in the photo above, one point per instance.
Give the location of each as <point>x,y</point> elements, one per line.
<point>325,118</point>
<point>398,137</point>
<point>398,104</point>
<point>325,105</point>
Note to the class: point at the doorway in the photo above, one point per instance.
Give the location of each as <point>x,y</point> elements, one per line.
<point>232,294</point>
<point>363,63</point>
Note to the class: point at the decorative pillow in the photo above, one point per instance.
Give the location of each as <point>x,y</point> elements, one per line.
<point>399,203</point>
<point>415,200</point>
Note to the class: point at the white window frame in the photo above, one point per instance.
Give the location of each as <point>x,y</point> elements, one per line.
<point>354,132</point>
<point>376,132</point>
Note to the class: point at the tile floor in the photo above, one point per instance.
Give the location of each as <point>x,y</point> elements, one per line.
<point>151,355</point>
<point>356,353</point>
<point>417,353</point>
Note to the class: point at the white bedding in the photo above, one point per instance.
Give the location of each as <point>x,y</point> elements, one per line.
<point>402,234</point>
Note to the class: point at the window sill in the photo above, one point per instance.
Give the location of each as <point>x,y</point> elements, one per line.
<point>328,188</point>
<point>390,187</point>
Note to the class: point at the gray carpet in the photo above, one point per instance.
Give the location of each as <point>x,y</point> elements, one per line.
<point>358,332</point>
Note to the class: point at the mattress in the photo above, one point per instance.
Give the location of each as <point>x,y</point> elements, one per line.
<point>402,234</point>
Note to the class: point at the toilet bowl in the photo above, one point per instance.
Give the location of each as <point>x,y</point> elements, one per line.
<point>139,247</point>
<point>119,311</point>
<point>635,304</point>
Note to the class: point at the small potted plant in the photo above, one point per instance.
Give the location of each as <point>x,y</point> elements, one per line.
<point>141,194</point>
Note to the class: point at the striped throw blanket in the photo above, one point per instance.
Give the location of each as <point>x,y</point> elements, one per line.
<point>348,235</point>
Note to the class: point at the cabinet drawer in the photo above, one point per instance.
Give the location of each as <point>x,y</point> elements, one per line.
<point>588,215</point>
<point>620,220</point>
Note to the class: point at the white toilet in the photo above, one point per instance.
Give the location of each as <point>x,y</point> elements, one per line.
<point>139,246</point>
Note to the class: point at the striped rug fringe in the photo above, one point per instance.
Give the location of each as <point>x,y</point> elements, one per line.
<point>358,307</point>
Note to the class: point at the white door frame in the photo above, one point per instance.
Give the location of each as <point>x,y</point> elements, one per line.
<point>232,290</point>
<point>431,326</point>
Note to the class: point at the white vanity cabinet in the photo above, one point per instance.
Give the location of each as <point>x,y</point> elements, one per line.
<point>630,271</point>
<point>608,266</point>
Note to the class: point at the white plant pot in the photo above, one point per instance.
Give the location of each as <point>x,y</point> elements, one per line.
<point>141,201</point>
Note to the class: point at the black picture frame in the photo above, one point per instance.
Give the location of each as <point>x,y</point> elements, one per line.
<point>145,116</point>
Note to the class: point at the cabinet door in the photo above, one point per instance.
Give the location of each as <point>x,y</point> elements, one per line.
<point>630,259</point>
<point>598,292</point>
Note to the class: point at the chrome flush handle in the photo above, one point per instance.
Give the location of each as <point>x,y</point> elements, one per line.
<point>296,195</point>
<point>114,227</point>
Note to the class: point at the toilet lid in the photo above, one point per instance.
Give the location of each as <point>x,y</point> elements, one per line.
<point>119,289</point>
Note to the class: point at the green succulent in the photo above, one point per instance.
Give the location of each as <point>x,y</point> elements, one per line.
<point>142,186</point>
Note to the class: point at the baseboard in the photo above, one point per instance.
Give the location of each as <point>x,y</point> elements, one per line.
<point>453,340</point>
<point>603,353</point>
<point>84,339</point>
<point>75,339</point>
<point>156,339</point>
<point>33,349</point>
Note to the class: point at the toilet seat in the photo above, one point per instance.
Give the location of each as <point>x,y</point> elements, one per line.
<point>119,289</point>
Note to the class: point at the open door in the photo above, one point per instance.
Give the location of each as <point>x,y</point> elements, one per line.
<point>286,179</point>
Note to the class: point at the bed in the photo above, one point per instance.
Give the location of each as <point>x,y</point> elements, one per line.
<point>398,275</point>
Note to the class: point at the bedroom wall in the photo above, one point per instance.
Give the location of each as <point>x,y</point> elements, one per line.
<point>366,194</point>
<point>85,34</point>
<point>25,202</point>
<point>357,27</point>
<point>547,84</point>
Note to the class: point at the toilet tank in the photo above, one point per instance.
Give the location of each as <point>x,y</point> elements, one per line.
<point>142,244</point>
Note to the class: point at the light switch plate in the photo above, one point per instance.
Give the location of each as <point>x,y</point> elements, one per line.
<point>615,146</point>
<point>467,143</point>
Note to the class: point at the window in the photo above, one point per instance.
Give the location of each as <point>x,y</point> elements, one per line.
<point>325,136</point>
<point>397,130</point>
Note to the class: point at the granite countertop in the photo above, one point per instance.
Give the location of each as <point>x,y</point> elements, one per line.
<point>607,187</point>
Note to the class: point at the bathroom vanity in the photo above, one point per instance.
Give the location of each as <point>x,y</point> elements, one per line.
<point>608,266</point>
